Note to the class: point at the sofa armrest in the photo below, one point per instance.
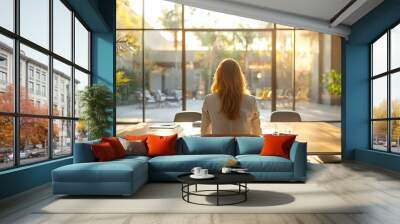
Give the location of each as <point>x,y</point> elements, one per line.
<point>298,155</point>
<point>83,152</point>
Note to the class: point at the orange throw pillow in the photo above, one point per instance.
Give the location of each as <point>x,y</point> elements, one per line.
<point>116,145</point>
<point>161,145</point>
<point>103,152</point>
<point>277,145</point>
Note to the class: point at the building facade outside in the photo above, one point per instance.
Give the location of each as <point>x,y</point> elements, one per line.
<point>34,82</point>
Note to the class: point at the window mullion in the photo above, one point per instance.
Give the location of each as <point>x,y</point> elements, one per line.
<point>16,84</point>
<point>389,101</point>
<point>50,82</point>
<point>73,81</point>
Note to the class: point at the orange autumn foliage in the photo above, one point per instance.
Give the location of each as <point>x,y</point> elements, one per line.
<point>33,130</point>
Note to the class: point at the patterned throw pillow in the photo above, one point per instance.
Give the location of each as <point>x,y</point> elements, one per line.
<point>134,147</point>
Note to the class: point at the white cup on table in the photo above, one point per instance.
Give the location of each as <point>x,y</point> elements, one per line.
<point>203,172</point>
<point>196,171</point>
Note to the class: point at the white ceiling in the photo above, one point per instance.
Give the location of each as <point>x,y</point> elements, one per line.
<point>320,9</point>
<point>314,15</point>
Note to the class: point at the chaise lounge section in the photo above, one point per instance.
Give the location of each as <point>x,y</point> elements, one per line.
<point>125,176</point>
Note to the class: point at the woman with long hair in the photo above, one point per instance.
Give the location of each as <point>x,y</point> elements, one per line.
<point>230,109</point>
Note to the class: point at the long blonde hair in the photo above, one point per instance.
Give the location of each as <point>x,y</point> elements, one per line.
<point>230,85</point>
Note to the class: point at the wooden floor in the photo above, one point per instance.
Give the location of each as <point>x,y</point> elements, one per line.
<point>378,189</point>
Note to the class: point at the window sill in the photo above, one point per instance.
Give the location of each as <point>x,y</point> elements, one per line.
<point>30,166</point>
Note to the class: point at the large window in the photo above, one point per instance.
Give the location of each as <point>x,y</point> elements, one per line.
<point>385,95</point>
<point>167,54</point>
<point>40,80</point>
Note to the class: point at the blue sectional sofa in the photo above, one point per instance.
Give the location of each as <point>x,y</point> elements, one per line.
<point>125,176</point>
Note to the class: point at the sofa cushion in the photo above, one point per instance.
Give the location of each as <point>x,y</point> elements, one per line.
<point>257,163</point>
<point>112,171</point>
<point>133,158</point>
<point>185,163</point>
<point>249,145</point>
<point>193,145</point>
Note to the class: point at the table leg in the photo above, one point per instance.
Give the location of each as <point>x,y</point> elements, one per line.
<point>188,190</point>
<point>217,194</point>
<point>182,188</point>
<point>245,193</point>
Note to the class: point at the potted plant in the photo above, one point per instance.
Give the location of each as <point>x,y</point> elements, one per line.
<point>332,81</point>
<point>96,103</point>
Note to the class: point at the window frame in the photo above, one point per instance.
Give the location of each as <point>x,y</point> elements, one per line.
<point>16,115</point>
<point>388,74</point>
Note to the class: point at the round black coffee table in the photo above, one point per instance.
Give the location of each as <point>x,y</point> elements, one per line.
<point>238,179</point>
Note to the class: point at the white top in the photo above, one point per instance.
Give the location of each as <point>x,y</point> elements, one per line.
<point>214,122</point>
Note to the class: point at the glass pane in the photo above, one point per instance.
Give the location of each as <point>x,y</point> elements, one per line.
<point>81,132</point>
<point>163,85</point>
<point>278,26</point>
<point>201,18</point>
<point>395,138</point>
<point>33,140</point>
<point>379,98</point>
<point>81,45</point>
<point>395,95</point>
<point>6,142</point>
<point>6,74</point>
<point>317,76</point>
<point>284,70</point>
<point>129,76</point>
<point>62,138</point>
<point>379,135</point>
<point>379,56</point>
<point>205,50</point>
<point>35,21</point>
<point>129,14</point>
<point>62,89</point>
<point>81,82</point>
<point>34,78</point>
<point>395,47</point>
<point>62,29</point>
<point>162,14</point>
<point>7,14</point>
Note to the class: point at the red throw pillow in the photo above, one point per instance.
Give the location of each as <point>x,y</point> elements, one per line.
<point>103,152</point>
<point>116,145</point>
<point>161,145</point>
<point>277,145</point>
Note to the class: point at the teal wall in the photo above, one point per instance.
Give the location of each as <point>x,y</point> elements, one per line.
<point>356,86</point>
<point>103,53</point>
<point>24,178</point>
<point>99,15</point>
<point>103,64</point>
